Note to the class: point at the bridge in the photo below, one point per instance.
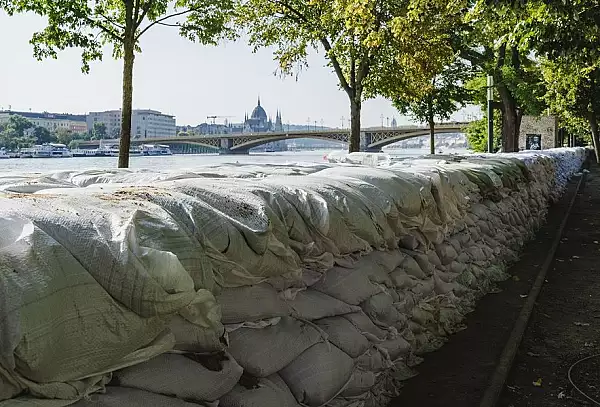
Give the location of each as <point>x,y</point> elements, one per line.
<point>371,140</point>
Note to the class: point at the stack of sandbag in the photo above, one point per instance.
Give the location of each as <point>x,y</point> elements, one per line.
<point>287,286</point>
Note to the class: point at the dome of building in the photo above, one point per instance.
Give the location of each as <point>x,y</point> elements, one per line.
<point>259,113</point>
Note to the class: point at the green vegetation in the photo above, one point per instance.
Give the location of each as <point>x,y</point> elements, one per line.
<point>427,57</point>
<point>443,96</point>
<point>91,26</point>
<point>477,136</point>
<point>18,132</point>
<point>374,47</point>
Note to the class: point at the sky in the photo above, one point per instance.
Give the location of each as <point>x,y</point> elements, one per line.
<point>177,77</point>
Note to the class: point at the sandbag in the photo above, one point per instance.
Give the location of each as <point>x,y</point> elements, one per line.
<point>129,397</point>
<point>319,374</point>
<point>263,352</point>
<point>360,383</point>
<point>350,285</point>
<point>250,303</point>
<point>343,334</point>
<point>311,305</point>
<point>270,392</point>
<point>194,338</point>
<point>366,327</point>
<point>182,377</point>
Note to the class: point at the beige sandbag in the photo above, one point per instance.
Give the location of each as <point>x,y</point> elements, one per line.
<point>129,397</point>
<point>380,308</point>
<point>195,338</point>
<point>263,352</point>
<point>250,303</point>
<point>446,253</point>
<point>366,327</point>
<point>319,374</point>
<point>270,392</point>
<point>361,383</point>
<point>344,335</point>
<point>350,285</point>
<point>184,378</point>
<point>311,305</point>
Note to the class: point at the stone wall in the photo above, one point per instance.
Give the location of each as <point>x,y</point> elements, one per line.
<point>536,129</point>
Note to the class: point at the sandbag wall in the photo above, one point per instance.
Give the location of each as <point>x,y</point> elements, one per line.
<point>315,285</point>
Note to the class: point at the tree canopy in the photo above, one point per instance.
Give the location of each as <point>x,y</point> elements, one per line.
<point>445,94</point>
<point>120,23</point>
<point>374,46</point>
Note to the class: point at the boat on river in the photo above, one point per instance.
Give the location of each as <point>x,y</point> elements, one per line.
<point>156,149</point>
<point>49,150</point>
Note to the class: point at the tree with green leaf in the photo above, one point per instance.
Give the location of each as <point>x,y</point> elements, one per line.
<point>99,131</point>
<point>120,23</point>
<point>477,134</point>
<point>64,136</point>
<point>43,135</point>
<point>444,94</point>
<point>492,44</point>
<point>373,46</point>
<point>15,133</point>
<point>565,35</point>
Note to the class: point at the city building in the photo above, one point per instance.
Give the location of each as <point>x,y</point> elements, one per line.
<point>259,122</point>
<point>145,123</point>
<point>50,121</point>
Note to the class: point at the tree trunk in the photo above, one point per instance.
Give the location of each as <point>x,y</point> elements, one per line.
<point>595,136</point>
<point>354,141</point>
<point>511,121</point>
<point>127,101</point>
<point>431,136</point>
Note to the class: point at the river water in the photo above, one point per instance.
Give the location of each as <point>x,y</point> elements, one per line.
<point>176,162</point>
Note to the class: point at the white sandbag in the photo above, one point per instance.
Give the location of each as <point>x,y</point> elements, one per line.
<point>446,253</point>
<point>374,360</point>
<point>380,308</point>
<point>319,374</point>
<point>366,327</point>
<point>270,392</point>
<point>129,397</point>
<point>350,285</point>
<point>434,258</point>
<point>343,334</point>
<point>388,260</point>
<point>402,280</point>
<point>195,338</point>
<point>411,266</point>
<point>311,305</point>
<point>250,303</point>
<point>40,344</point>
<point>360,383</point>
<point>263,352</point>
<point>395,347</point>
<point>181,377</point>
<point>423,261</point>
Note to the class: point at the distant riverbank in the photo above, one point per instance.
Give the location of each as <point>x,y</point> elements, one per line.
<point>184,161</point>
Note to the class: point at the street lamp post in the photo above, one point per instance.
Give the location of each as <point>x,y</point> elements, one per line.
<point>490,113</point>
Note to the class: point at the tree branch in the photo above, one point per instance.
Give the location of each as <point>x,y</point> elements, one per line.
<point>336,66</point>
<point>141,17</point>
<point>103,28</point>
<point>160,20</point>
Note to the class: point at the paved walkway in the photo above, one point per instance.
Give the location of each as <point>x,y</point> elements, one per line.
<point>565,325</point>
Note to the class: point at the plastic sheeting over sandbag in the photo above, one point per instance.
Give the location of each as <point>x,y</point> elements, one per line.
<point>293,272</point>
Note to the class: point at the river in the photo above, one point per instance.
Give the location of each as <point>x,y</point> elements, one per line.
<point>175,162</point>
